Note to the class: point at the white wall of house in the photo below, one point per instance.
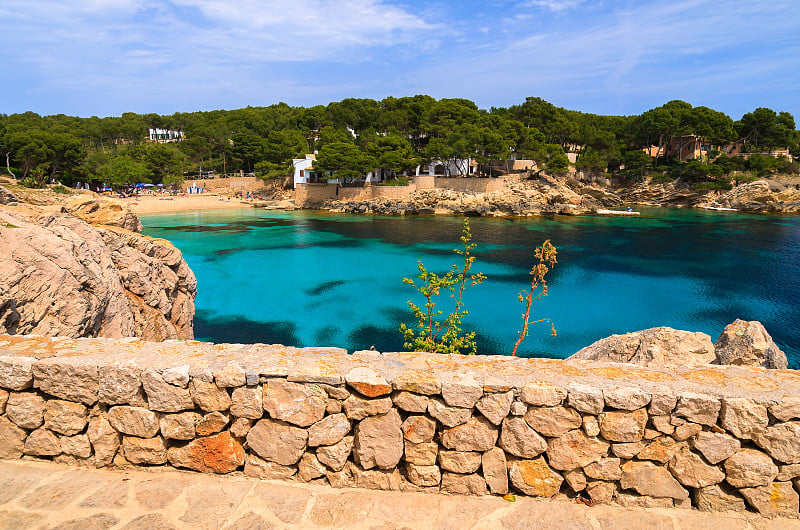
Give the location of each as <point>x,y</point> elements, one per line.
<point>302,173</point>
<point>462,166</point>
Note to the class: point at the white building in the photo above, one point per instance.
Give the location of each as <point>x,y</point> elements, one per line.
<point>304,170</point>
<point>164,136</point>
<point>446,168</point>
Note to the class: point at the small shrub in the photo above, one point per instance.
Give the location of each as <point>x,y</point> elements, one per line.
<point>60,189</point>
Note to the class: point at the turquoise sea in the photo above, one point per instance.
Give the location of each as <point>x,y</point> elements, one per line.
<point>309,278</point>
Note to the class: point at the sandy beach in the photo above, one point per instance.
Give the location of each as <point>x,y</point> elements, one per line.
<point>181,203</point>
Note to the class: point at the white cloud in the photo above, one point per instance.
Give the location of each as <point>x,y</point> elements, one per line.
<point>555,5</point>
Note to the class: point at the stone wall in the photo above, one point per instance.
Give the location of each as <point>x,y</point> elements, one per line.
<point>712,437</point>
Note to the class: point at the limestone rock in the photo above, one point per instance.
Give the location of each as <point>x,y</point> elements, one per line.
<point>686,431</point>
<point>358,408</point>
<point>104,211</point>
<point>71,279</point>
<point>534,477</point>
<point>607,469</point>
<point>328,430</point>
<point>574,450</point>
<point>651,480</point>
<point>421,454</point>
<point>661,450</point>
<point>449,416</point>
<point>662,424</point>
<point>16,372</point>
<point>375,479</point>
<point>265,470</point>
<point>247,402</point>
<point>749,468</point>
<point>575,479</point>
<point>335,456</point>
<point>777,498</point>
<point>662,402</point>
<point>623,426</point>
<point>419,429</point>
<point>379,441</point>
<point>717,498</point>
<point>495,407</point>
<point>627,450</point>
<point>278,441</point>
<point>789,472</point>
<point>367,382</point>
<point>240,427</point>
<point>410,402</point>
<point>655,347</point>
<point>310,468</point>
<point>787,409</point>
<point>518,408</point>
<point>151,451</point>
<point>629,500</point>
<point>179,426</point>
<point>743,417</point>
<point>463,390</point>
<point>459,484</point>
<point>542,394</point>
<point>715,447</point>
<point>418,382</point>
<point>78,446</point>
<point>178,375</point>
<point>519,439</point>
<point>698,408</point>
<point>746,343</point>
<point>585,399</point>
<point>781,441</point>
<point>553,421</point>
<point>626,398</point>
<point>25,409</point>
<point>164,397</point>
<point>42,442</point>
<point>459,461</point>
<point>230,376</point>
<point>121,385</point>
<point>690,469</point>
<point>495,470</point>
<point>73,382</point>
<point>211,423</point>
<point>209,396</point>
<point>134,421</point>
<point>294,403</point>
<point>423,476</point>
<point>601,492</point>
<point>12,440</point>
<point>220,453</point>
<point>104,439</point>
<point>477,434</point>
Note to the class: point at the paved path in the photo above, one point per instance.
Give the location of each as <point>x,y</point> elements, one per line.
<point>47,495</point>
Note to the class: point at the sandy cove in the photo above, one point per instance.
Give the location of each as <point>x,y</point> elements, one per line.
<point>168,204</point>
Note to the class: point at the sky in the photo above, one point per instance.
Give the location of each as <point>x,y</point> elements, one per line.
<point>106,57</point>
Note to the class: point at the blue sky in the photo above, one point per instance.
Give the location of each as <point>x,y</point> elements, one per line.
<point>106,57</point>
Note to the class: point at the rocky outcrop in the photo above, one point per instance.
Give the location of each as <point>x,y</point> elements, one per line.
<point>761,196</point>
<point>102,212</point>
<point>741,343</point>
<point>61,276</point>
<point>655,347</point>
<point>663,194</point>
<point>6,197</point>
<point>748,344</point>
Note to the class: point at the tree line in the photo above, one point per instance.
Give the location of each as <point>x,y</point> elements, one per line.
<point>354,136</point>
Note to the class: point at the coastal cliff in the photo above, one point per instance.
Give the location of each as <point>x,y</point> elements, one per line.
<point>85,271</point>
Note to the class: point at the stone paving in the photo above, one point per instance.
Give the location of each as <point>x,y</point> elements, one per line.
<point>37,494</point>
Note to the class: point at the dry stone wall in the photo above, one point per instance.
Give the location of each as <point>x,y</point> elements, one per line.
<point>711,437</point>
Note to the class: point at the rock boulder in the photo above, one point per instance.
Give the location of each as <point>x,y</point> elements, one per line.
<point>746,343</point>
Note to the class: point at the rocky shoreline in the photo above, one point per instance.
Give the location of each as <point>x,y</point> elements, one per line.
<point>565,196</point>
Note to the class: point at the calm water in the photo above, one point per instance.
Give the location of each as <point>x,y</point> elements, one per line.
<point>304,278</point>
